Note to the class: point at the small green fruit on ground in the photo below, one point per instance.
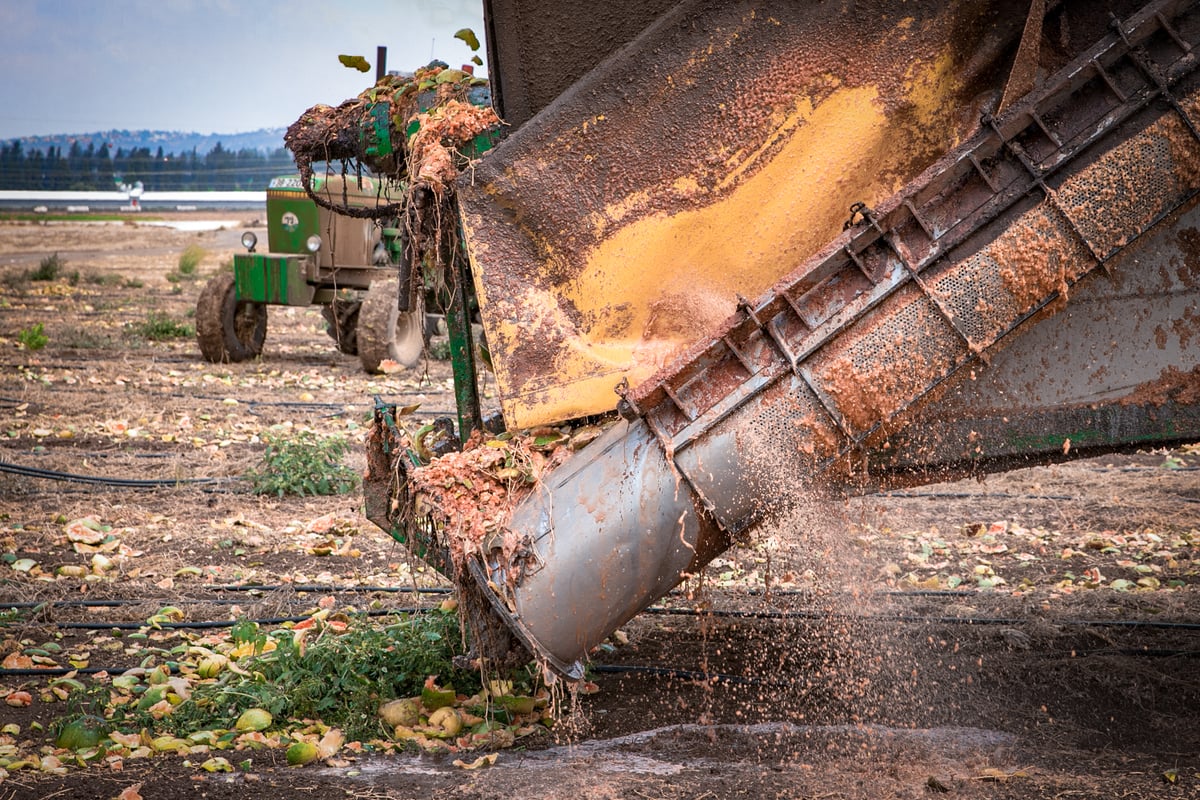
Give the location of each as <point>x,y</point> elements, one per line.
<point>82,734</point>
<point>301,753</point>
<point>400,712</point>
<point>447,720</point>
<point>254,719</point>
<point>433,699</point>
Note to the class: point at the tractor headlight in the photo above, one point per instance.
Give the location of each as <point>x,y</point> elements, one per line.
<point>249,240</point>
<point>313,243</point>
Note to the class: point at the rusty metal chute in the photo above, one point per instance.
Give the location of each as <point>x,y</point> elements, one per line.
<point>1038,283</point>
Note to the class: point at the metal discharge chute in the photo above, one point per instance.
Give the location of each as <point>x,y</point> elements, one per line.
<point>1019,288</point>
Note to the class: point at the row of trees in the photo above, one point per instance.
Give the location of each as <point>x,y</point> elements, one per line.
<point>97,169</point>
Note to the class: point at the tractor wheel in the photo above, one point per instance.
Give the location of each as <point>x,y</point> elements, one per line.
<point>341,323</point>
<point>385,334</point>
<point>228,329</point>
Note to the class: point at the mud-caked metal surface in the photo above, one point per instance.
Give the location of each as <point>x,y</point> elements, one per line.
<point>801,385</point>
<point>708,158</point>
<point>600,526</point>
<point>538,48</point>
<point>1115,368</point>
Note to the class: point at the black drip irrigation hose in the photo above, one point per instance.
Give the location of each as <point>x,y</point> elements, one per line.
<point>919,619</point>
<point>218,623</point>
<point>970,496</point>
<point>120,483</point>
<point>120,603</point>
<point>916,619</point>
<point>340,409</point>
<point>254,404</point>
<point>84,362</point>
<point>666,672</point>
<point>756,592</point>
<point>58,672</point>
<point>716,678</point>
<point>329,589</point>
<point>110,603</point>
<point>680,674</point>
<point>318,587</point>
<point>250,587</point>
<point>698,676</point>
<point>110,453</point>
<point>1148,468</point>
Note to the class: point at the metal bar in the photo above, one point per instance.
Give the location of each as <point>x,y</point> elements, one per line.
<point>1037,119</point>
<point>462,349</point>
<point>794,363</point>
<point>982,172</point>
<point>738,354</point>
<point>1108,81</point>
<point>1138,56</point>
<point>772,334</point>
<point>670,393</point>
<point>858,262</point>
<point>1183,45</point>
<point>908,204</point>
<point>889,238</point>
<point>1037,175</point>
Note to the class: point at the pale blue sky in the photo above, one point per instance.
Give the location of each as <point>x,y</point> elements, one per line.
<point>211,66</point>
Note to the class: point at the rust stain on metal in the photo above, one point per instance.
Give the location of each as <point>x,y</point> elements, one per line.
<point>716,157</point>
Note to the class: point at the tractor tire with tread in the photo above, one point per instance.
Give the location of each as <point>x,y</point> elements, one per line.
<point>386,334</point>
<point>341,323</point>
<point>228,330</point>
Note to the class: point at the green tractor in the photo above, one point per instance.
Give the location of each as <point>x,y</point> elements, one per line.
<point>353,267</point>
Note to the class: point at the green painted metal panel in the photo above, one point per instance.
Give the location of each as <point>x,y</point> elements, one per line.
<point>291,216</point>
<point>272,279</point>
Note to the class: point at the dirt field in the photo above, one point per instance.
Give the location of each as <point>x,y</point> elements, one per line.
<point>1032,635</point>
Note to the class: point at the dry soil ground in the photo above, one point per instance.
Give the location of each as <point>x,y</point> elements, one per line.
<point>1032,635</point>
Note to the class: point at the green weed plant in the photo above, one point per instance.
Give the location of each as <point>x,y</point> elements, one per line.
<point>48,269</point>
<point>303,463</point>
<point>34,337</point>
<point>340,680</point>
<point>188,267</point>
<point>161,327</point>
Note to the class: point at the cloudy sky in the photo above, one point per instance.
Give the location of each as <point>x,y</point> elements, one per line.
<point>210,66</point>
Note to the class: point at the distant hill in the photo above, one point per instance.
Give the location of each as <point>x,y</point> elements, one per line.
<point>264,140</point>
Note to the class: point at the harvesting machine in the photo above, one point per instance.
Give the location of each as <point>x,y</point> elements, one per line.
<point>339,240</point>
<point>733,253</point>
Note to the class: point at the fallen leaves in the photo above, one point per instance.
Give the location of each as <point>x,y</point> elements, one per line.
<point>994,775</point>
<point>1005,554</point>
<point>130,793</point>
<point>482,761</point>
